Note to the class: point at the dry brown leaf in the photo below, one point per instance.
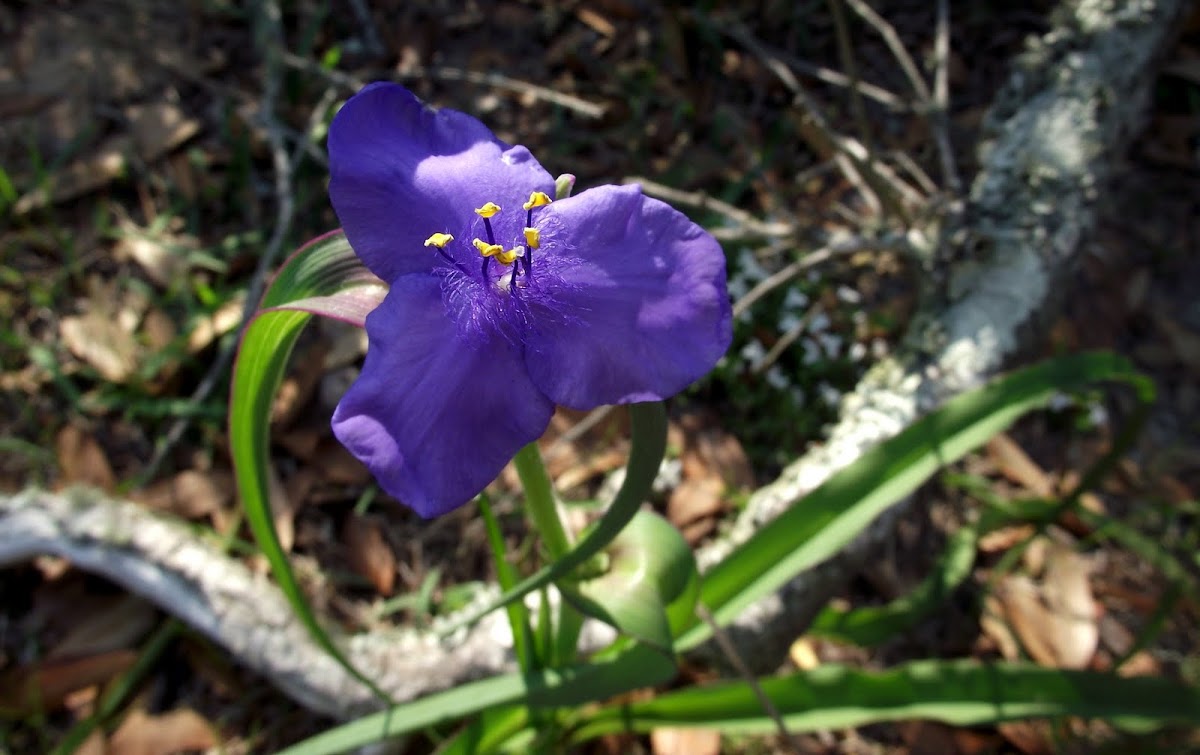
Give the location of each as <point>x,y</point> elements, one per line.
<point>1067,591</point>
<point>347,343</point>
<point>154,130</point>
<point>1005,538</point>
<point>158,330</point>
<point>710,451</point>
<point>334,464</point>
<point>300,486</point>
<point>694,499</point>
<point>1055,621</point>
<point>45,685</point>
<point>80,176</point>
<point>81,459</point>
<point>302,438</point>
<point>191,494</point>
<point>1140,663</point>
<point>1015,464</point>
<point>181,730</point>
<point>991,622</point>
<point>1031,621</point>
<point>573,435</point>
<point>158,128</point>
<point>117,625</point>
<point>208,328</point>
<point>596,21</point>
<point>685,741</point>
<point>698,530</point>
<point>594,466</point>
<point>1143,601</point>
<point>369,554</point>
<point>157,255</point>
<point>803,653</point>
<point>93,745</point>
<point>298,387</point>
<point>928,738</point>
<point>1030,737</point>
<point>100,340</point>
<point>283,510</point>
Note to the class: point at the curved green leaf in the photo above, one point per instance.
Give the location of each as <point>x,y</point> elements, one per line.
<point>962,693</point>
<point>491,729</point>
<point>872,625</point>
<point>506,575</point>
<point>650,566</point>
<point>830,517</point>
<point>323,277</point>
<point>649,443</point>
<point>639,666</point>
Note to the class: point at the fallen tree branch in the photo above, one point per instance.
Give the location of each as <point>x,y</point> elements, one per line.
<point>1050,138</point>
<point>1069,107</point>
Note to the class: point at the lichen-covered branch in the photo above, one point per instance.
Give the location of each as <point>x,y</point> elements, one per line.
<point>1049,142</point>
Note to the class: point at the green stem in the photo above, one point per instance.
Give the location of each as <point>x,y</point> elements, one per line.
<point>518,615</point>
<point>540,503</point>
<point>645,456</point>
<point>561,636</point>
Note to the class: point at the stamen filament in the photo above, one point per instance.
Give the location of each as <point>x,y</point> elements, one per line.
<point>438,241</point>
<point>486,212</point>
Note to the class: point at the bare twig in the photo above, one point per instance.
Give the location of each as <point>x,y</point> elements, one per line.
<point>304,140</point>
<point>578,430</point>
<point>812,259</point>
<point>935,105</point>
<point>846,54</point>
<point>751,225</point>
<point>849,169</point>
<point>839,79</point>
<point>883,173</point>
<point>893,42</point>
<point>821,73</point>
<point>785,342</point>
<point>940,119</point>
<point>272,42</point>
<point>499,81</point>
<point>735,660</point>
<point>905,161</point>
<point>371,41</point>
<point>341,78</point>
<point>449,73</point>
<point>825,140</point>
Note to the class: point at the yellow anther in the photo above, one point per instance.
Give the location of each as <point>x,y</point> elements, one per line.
<point>536,199</point>
<point>533,237</point>
<point>486,249</point>
<point>511,255</point>
<point>488,210</point>
<point>439,240</point>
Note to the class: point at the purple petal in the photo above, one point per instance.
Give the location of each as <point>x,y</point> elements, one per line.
<point>635,306</point>
<point>436,415</point>
<point>400,172</point>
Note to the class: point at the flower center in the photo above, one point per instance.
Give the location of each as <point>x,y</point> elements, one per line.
<point>490,250</point>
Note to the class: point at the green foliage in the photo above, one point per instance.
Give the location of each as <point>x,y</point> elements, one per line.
<point>323,277</point>
<point>645,581</point>
<point>828,518</point>
<point>964,693</point>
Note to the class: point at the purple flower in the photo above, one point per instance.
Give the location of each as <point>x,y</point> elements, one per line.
<point>502,303</point>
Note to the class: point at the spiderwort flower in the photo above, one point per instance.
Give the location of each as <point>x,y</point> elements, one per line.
<point>503,302</point>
